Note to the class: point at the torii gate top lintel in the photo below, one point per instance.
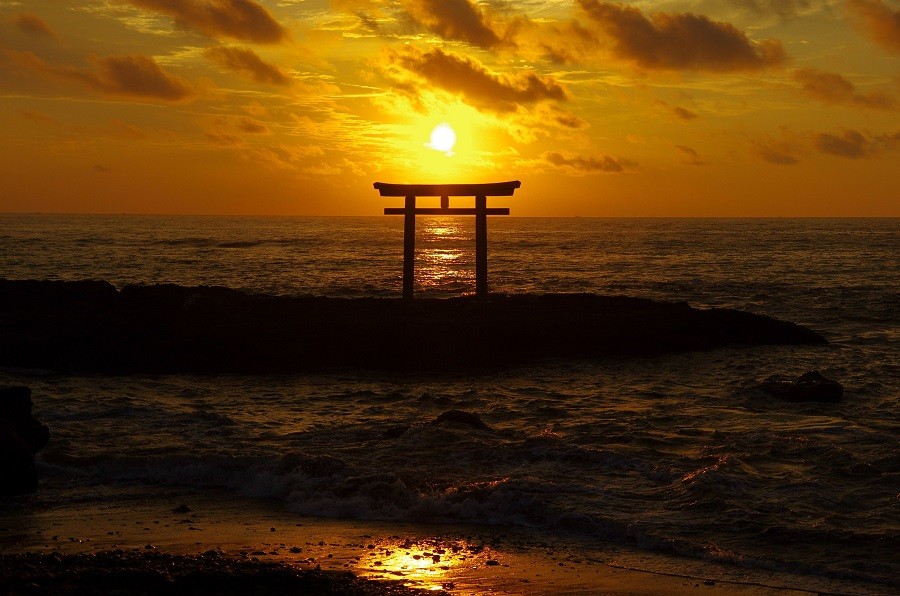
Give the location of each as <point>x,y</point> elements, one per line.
<point>489,189</point>
<point>480,191</point>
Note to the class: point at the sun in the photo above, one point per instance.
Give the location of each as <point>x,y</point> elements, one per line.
<point>443,138</point>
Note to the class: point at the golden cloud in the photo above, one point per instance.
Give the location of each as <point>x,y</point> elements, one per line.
<point>236,19</point>
<point>246,62</point>
<point>878,20</point>
<point>682,41</point>
<point>473,82</point>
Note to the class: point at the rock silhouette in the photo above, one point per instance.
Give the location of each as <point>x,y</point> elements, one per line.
<point>21,437</point>
<point>90,326</point>
<point>461,417</point>
<point>810,386</point>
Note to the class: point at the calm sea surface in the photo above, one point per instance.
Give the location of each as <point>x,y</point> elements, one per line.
<point>676,454</point>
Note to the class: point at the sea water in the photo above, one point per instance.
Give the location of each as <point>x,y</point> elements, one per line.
<point>677,454</point>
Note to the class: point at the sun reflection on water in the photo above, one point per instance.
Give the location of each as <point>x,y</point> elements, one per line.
<point>445,254</point>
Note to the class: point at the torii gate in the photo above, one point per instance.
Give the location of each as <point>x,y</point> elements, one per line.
<point>480,191</point>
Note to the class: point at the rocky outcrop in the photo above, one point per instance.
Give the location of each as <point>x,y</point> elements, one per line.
<point>21,437</point>
<point>461,417</point>
<point>810,386</point>
<point>92,327</point>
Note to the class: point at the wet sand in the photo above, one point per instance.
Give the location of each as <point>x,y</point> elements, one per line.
<point>176,542</point>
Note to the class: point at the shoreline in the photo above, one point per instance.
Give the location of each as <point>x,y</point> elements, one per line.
<point>244,537</point>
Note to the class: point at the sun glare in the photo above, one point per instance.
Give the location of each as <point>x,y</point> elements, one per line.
<point>443,138</point>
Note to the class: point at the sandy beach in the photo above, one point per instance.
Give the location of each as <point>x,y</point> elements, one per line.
<point>174,537</point>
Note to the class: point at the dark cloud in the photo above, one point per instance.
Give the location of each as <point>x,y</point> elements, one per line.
<point>681,41</point>
<point>458,20</point>
<point>835,89</point>
<point>236,19</point>
<point>779,153</point>
<point>134,76</point>
<point>31,24</point>
<point>588,165</point>
<point>36,117</point>
<point>474,83</point>
<point>853,144</point>
<point>245,61</point>
<point>251,126</point>
<point>878,20</point>
<point>567,120</point>
<point>680,112</point>
<point>691,156</point>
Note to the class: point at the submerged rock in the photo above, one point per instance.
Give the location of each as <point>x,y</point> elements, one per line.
<point>810,386</point>
<point>461,417</point>
<point>21,437</point>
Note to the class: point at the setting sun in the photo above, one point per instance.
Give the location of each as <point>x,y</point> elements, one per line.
<point>443,138</point>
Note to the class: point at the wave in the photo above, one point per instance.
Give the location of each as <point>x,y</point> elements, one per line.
<point>332,487</point>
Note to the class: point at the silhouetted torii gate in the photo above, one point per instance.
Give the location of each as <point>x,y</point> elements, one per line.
<point>480,191</point>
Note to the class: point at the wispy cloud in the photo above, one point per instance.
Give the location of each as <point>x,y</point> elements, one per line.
<point>235,19</point>
<point>681,41</point>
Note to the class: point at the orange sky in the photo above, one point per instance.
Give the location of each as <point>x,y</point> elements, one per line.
<point>294,107</point>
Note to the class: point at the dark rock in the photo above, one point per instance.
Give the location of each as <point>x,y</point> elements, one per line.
<point>182,509</point>
<point>21,437</point>
<point>395,432</point>
<point>810,386</point>
<point>461,417</point>
<point>92,327</point>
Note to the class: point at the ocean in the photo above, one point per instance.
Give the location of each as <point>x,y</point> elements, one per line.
<point>677,454</point>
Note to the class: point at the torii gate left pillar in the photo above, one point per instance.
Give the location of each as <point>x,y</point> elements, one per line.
<point>480,191</point>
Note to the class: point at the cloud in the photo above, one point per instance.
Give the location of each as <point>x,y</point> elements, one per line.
<point>853,144</point>
<point>786,9</point>
<point>682,41</point>
<point>232,130</point>
<point>567,120</point>
<point>778,152</point>
<point>33,25</point>
<point>236,19</point>
<point>691,156</point>
<point>833,88</point>
<point>878,20</point>
<point>246,62</point>
<point>458,20</point>
<point>36,117</point>
<point>599,164</point>
<point>679,112</point>
<point>474,83</point>
<point>134,76</point>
